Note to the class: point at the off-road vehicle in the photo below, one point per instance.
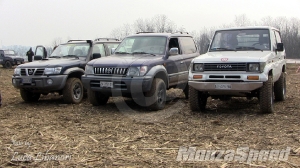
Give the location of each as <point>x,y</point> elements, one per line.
<point>61,71</point>
<point>143,67</point>
<point>240,62</point>
<point>9,58</point>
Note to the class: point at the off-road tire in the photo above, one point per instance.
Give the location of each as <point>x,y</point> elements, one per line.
<point>156,97</point>
<point>73,91</point>
<point>7,64</point>
<point>186,91</point>
<point>280,88</point>
<point>97,98</point>
<point>266,101</point>
<point>197,100</point>
<point>29,96</point>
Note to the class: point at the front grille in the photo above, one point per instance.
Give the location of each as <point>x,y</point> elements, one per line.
<point>32,72</point>
<point>110,71</point>
<point>225,67</point>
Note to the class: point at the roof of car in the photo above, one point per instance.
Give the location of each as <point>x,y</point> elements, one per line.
<point>176,34</point>
<point>249,27</point>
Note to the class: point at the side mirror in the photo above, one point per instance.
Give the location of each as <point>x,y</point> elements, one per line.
<point>96,55</point>
<point>173,51</point>
<point>112,50</point>
<point>279,47</point>
<point>45,53</point>
<point>37,57</point>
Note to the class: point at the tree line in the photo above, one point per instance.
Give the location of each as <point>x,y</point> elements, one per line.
<point>289,28</point>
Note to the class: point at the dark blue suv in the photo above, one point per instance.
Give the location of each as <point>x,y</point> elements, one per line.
<point>142,67</point>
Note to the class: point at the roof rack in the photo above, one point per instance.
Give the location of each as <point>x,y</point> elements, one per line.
<point>144,32</point>
<point>106,39</point>
<point>180,32</point>
<point>88,41</point>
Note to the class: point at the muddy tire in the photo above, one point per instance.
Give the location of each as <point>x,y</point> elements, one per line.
<point>197,100</point>
<point>266,101</point>
<point>7,64</point>
<point>156,97</point>
<point>97,98</point>
<point>73,91</point>
<point>29,96</point>
<point>280,88</point>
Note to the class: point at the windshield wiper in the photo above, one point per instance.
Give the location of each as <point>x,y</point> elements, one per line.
<point>54,57</point>
<point>143,53</point>
<point>71,56</point>
<point>226,49</point>
<point>248,48</point>
<point>122,53</point>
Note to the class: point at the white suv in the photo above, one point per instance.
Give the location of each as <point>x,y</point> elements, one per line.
<point>240,62</point>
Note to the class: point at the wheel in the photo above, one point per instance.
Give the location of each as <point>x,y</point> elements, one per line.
<point>156,97</point>
<point>97,98</point>
<point>7,64</point>
<point>280,88</point>
<point>197,100</point>
<point>29,96</point>
<point>266,96</point>
<point>73,91</point>
<point>186,91</point>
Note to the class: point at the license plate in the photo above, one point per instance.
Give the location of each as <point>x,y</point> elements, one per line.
<point>26,80</point>
<point>222,86</point>
<point>106,84</point>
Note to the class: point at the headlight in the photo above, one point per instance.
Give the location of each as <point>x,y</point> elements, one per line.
<point>253,67</point>
<point>55,70</point>
<point>1,60</point>
<point>17,71</point>
<point>89,69</point>
<point>137,71</point>
<point>198,67</point>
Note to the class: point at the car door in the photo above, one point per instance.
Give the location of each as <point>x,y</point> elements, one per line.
<point>189,52</point>
<point>40,53</point>
<point>173,63</point>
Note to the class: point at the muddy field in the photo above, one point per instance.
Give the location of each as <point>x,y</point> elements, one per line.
<point>121,134</point>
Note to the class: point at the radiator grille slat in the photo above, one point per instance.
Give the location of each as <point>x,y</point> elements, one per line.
<point>225,67</point>
<point>110,71</point>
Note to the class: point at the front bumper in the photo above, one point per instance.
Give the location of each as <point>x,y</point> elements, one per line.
<point>121,85</point>
<point>39,83</point>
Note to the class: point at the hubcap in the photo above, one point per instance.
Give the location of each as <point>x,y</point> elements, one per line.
<point>160,96</point>
<point>77,91</point>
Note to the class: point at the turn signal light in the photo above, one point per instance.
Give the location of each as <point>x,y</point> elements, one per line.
<point>197,76</point>
<point>253,77</point>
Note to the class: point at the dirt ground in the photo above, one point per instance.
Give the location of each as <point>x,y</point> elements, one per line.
<point>50,133</point>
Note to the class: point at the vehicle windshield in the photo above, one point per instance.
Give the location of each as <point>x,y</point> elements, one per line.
<point>244,39</point>
<point>9,52</point>
<point>142,45</point>
<point>72,50</point>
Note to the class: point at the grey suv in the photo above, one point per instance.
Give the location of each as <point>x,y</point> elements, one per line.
<point>61,71</point>
<point>143,67</point>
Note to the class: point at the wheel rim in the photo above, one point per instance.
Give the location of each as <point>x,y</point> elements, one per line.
<point>160,96</point>
<point>77,91</point>
<point>7,64</point>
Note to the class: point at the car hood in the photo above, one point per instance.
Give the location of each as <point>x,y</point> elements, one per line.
<point>124,60</point>
<point>233,56</point>
<point>51,62</point>
<point>14,56</point>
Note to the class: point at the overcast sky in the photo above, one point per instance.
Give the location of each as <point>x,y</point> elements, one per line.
<point>40,22</point>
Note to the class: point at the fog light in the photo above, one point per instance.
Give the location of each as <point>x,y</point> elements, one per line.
<point>49,81</point>
<point>253,77</point>
<point>197,76</point>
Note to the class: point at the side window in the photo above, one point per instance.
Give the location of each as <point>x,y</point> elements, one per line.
<point>39,51</point>
<point>99,48</point>
<point>1,53</point>
<point>173,43</point>
<point>273,39</point>
<point>278,37</point>
<point>111,45</point>
<point>188,45</point>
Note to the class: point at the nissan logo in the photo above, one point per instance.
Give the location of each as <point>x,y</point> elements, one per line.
<point>30,71</point>
<point>224,59</point>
